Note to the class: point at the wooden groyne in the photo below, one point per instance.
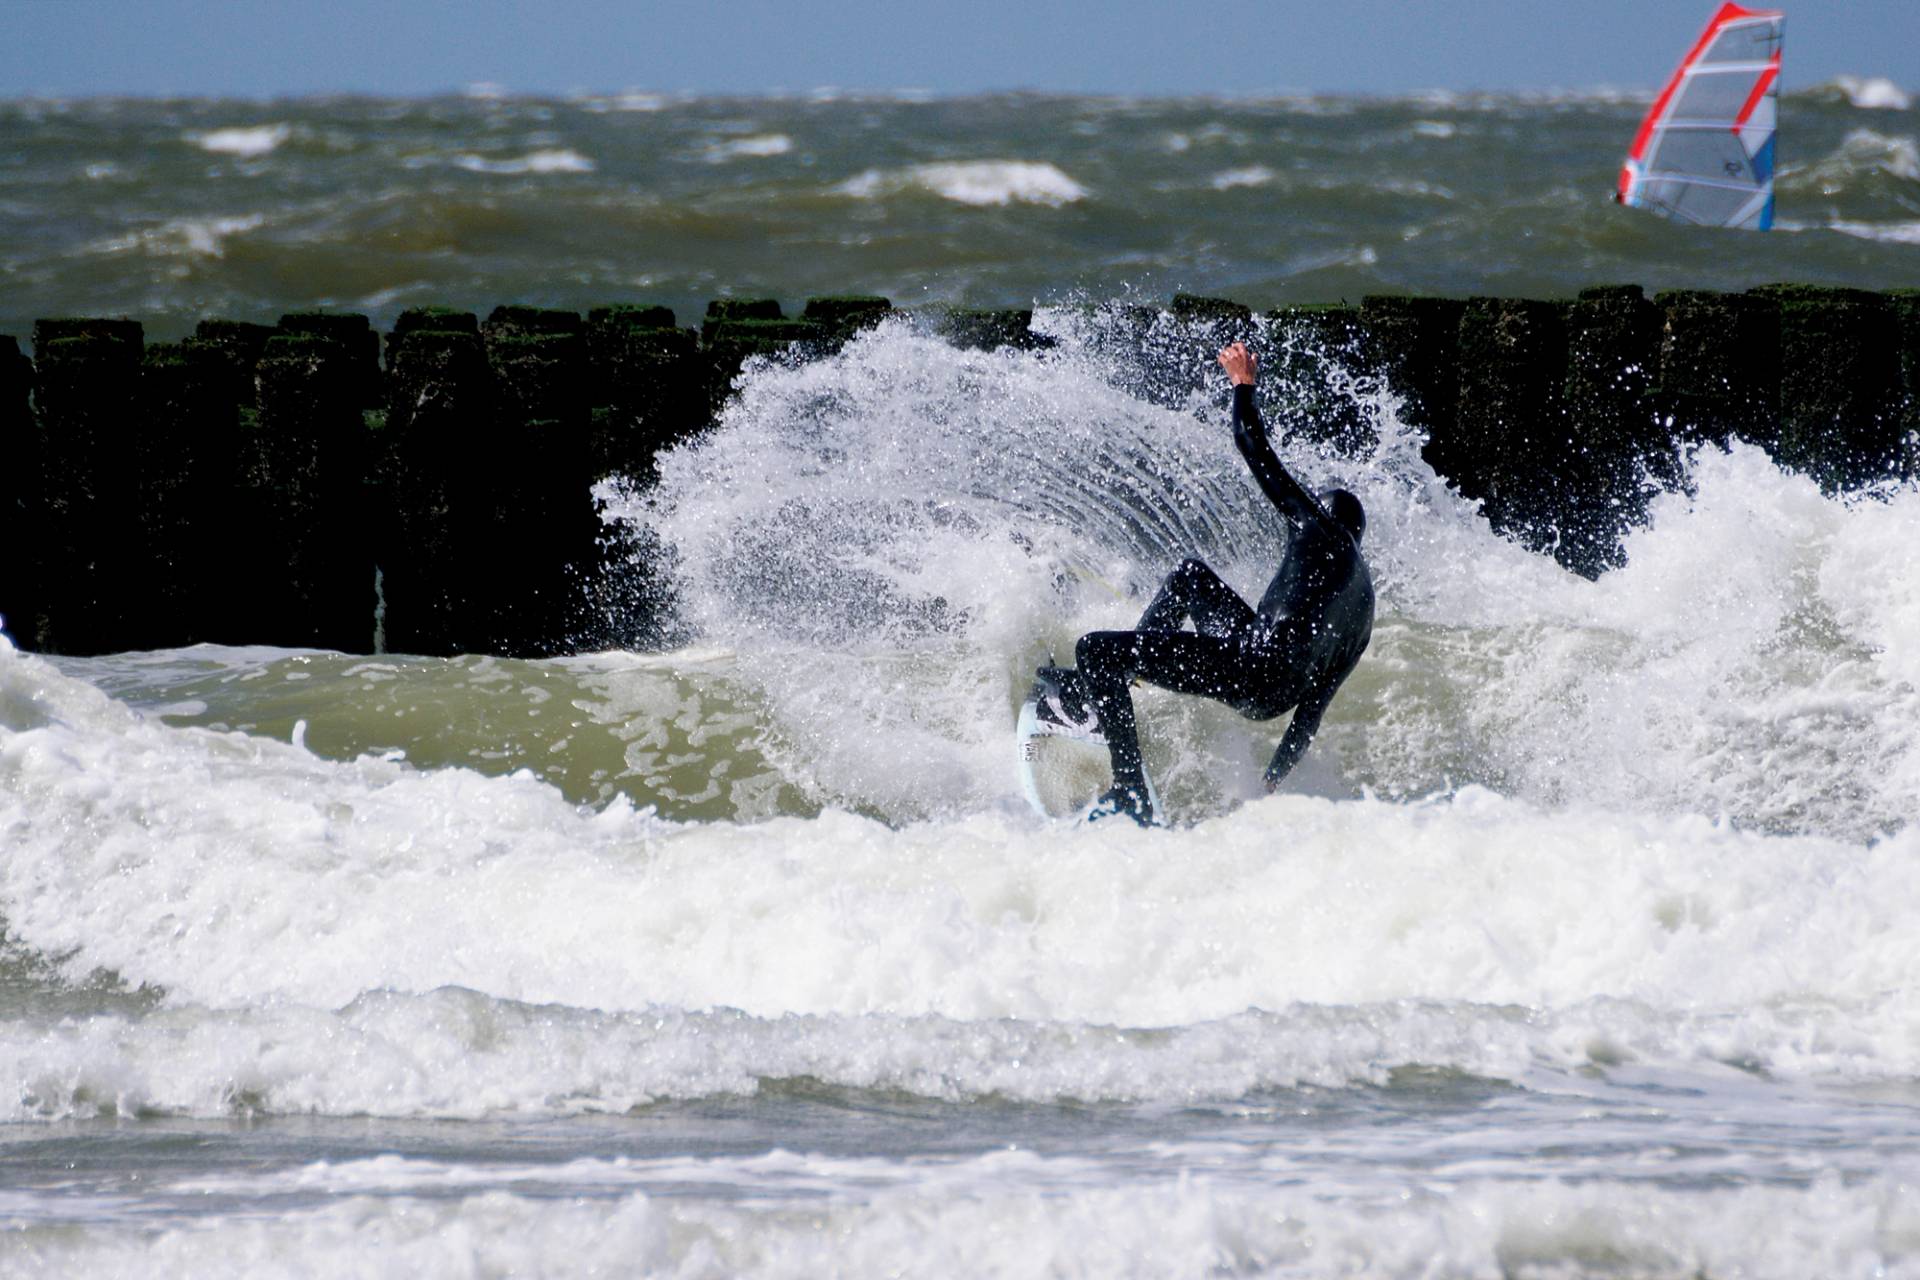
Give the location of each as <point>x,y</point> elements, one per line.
<point>306,483</point>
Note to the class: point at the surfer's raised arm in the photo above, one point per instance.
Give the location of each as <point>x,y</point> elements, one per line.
<point>1250,436</point>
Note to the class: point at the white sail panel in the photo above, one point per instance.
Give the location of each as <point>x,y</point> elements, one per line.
<point>1705,152</point>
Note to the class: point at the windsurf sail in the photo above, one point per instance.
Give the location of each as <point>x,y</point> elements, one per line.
<point>1704,154</point>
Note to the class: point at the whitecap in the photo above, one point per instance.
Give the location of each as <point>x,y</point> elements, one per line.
<point>247,143</point>
<point>1433,129</point>
<point>758,146</point>
<point>197,237</point>
<point>1873,93</point>
<point>1863,150</point>
<point>974,182</point>
<point>560,160</point>
<point>1253,176</point>
<point>1884,232</point>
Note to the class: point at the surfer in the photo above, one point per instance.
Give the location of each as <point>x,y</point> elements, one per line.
<point>1293,651</point>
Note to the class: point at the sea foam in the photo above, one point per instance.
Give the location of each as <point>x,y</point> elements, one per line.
<point>758,146</point>
<point>231,871</point>
<point>973,182</point>
<point>552,160</point>
<point>1701,678</point>
<point>1874,93</point>
<point>246,142</point>
<point>1008,1213</point>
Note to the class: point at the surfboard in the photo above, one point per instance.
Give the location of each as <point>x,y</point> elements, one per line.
<point>1063,769</point>
<point>1705,152</point>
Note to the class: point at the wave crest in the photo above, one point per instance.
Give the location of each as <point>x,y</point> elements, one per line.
<point>974,182</point>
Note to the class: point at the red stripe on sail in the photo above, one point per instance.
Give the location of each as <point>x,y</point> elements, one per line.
<point>1760,88</point>
<point>1729,13</point>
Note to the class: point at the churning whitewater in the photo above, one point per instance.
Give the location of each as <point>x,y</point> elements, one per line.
<point>1581,941</point>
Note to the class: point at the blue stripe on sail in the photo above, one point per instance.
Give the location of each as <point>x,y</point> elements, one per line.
<point>1763,162</point>
<point>1766,214</point>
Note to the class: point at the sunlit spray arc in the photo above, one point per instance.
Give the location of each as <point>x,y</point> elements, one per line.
<point>883,544</point>
<point>890,539</point>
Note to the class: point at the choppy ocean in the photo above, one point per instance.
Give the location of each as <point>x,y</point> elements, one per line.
<point>1582,944</point>
<point>172,211</point>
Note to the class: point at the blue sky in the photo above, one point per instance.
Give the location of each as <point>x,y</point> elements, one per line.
<point>264,48</point>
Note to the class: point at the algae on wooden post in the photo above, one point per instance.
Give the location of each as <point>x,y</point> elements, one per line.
<point>656,396</point>
<point>526,322</point>
<point>607,330</point>
<point>730,343</point>
<point>1613,346</point>
<point>355,336</point>
<point>232,349</point>
<point>1719,376</point>
<point>1414,343</point>
<point>425,320</point>
<point>1840,379</point>
<point>722,310</point>
<point>841,317</point>
<point>989,329</point>
<point>1511,446</point>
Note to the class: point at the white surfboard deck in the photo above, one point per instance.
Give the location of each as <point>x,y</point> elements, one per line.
<point>1064,771</point>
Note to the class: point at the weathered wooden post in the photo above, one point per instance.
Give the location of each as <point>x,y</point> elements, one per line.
<point>308,563</point>
<point>989,329</point>
<point>358,343</point>
<point>1613,349</point>
<point>1414,343</point>
<point>1512,447</point>
<point>543,504</point>
<point>436,531</point>
<point>607,330</point>
<point>233,349</point>
<point>1719,376</point>
<point>1309,361</point>
<point>842,316</point>
<point>87,372</point>
<point>1840,384</point>
<point>19,499</point>
<point>725,355</point>
<point>1906,307</point>
<point>653,388</point>
<point>186,444</point>
<point>729,344</point>
<point>654,393</point>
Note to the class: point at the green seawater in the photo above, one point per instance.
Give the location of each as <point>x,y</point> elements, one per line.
<point>172,211</point>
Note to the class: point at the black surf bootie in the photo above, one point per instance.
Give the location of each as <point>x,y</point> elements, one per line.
<point>1123,799</point>
<point>1061,704</point>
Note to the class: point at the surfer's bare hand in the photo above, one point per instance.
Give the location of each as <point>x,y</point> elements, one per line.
<point>1242,366</point>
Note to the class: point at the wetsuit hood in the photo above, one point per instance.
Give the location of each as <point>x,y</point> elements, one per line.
<point>1346,511</point>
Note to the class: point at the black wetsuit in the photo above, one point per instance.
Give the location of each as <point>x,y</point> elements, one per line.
<point>1312,625</point>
